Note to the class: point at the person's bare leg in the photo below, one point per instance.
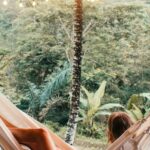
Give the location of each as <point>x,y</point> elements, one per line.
<point>36,139</point>
<point>19,119</point>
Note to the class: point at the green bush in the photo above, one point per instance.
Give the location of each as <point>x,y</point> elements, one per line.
<point>96,131</point>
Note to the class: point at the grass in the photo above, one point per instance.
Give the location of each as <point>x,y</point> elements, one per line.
<point>81,142</point>
<point>86,143</point>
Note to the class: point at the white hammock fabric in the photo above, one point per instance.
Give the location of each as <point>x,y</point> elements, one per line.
<point>19,119</point>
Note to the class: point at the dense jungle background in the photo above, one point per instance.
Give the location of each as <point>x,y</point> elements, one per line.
<point>36,50</point>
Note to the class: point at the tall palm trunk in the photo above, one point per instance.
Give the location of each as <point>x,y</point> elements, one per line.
<point>76,73</point>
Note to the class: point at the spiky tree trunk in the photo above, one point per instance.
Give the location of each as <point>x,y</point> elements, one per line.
<point>76,73</point>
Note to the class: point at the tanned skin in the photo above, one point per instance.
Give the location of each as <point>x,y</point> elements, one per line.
<point>118,123</point>
<point>35,139</point>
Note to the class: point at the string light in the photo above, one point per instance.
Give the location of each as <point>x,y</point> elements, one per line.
<point>33,3</point>
<point>5,3</point>
<point>20,4</point>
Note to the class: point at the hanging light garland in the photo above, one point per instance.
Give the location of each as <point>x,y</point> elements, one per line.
<point>21,3</point>
<point>33,3</point>
<point>6,2</point>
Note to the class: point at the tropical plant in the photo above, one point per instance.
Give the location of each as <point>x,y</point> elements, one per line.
<point>41,98</point>
<point>138,106</point>
<point>91,107</point>
<point>135,99</point>
<point>117,43</point>
<point>135,113</point>
<point>56,82</point>
<point>33,42</point>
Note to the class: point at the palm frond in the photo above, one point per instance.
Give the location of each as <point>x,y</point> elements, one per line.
<point>61,79</point>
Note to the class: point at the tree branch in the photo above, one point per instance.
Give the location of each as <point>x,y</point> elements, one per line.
<point>65,29</point>
<point>91,24</point>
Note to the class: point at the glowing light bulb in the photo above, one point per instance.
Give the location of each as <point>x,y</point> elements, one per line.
<point>20,5</point>
<point>34,3</point>
<point>91,0</point>
<point>5,3</point>
<point>46,0</point>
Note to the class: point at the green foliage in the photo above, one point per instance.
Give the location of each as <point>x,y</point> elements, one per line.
<point>138,106</point>
<point>40,98</point>
<point>58,81</point>
<point>135,113</point>
<point>92,103</point>
<point>36,42</point>
<point>57,108</point>
<point>119,39</point>
<point>55,127</point>
<point>146,106</point>
<point>92,107</point>
<point>96,131</point>
<point>136,100</point>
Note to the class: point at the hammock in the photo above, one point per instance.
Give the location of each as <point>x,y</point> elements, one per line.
<point>136,137</point>
<point>14,121</point>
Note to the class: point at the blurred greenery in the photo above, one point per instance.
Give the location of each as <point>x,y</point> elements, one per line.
<point>36,55</point>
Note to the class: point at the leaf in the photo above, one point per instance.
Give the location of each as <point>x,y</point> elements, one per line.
<point>99,94</point>
<point>131,115</point>
<point>89,95</point>
<point>103,113</point>
<point>136,100</point>
<point>60,79</point>
<point>82,113</point>
<point>146,95</point>
<point>137,112</point>
<point>80,119</point>
<point>110,106</point>
<point>83,103</point>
